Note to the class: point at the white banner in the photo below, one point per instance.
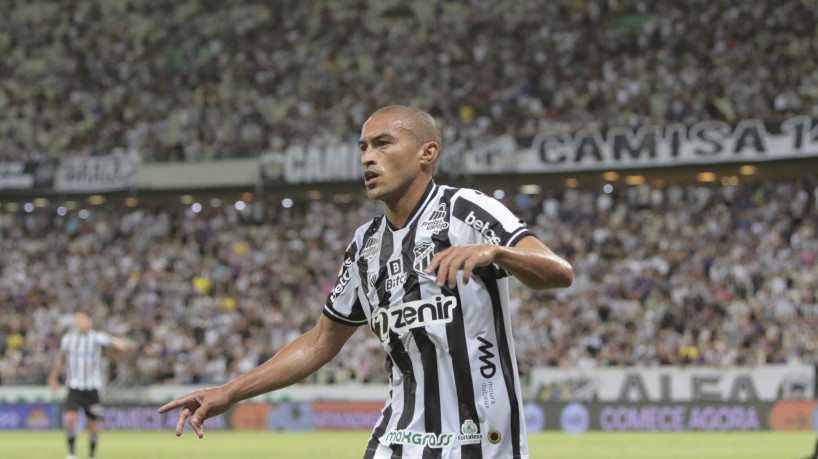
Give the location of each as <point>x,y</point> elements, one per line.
<point>706,142</point>
<point>22,175</point>
<point>98,173</point>
<point>14,175</point>
<point>674,384</point>
<point>337,162</point>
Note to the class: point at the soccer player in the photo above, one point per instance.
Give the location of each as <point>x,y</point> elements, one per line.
<point>81,348</point>
<point>429,277</point>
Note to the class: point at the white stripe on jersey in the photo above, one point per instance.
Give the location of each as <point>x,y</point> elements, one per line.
<point>454,375</point>
<point>83,353</point>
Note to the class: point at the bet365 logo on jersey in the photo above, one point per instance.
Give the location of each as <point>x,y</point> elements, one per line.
<point>414,314</point>
<point>484,228</point>
<point>344,277</point>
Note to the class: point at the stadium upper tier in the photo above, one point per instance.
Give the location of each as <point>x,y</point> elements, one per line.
<point>202,79</point>
<point>718,275</point>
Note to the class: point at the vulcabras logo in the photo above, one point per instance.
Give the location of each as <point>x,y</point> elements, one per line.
<point>437,221</point>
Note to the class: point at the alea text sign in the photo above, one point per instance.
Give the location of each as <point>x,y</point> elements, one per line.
<point>674,384</point>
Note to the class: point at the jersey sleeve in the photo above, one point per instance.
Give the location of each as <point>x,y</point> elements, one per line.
<point>477,218</point>
<point>64,342</point>
<point>484,219</point>
<point>343,304</point>
<point>102,338</point>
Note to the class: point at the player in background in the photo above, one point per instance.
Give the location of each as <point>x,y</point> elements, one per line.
<point>429,277</point>
<point>81,350</point>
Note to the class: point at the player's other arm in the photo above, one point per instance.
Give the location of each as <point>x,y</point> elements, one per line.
<point>53,375</point>
<point>535,264</point>
<point>296,361</point>
<point>123,344</point>
<point>530,261</point>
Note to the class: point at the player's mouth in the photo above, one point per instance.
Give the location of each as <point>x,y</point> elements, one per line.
<point>370,178</point>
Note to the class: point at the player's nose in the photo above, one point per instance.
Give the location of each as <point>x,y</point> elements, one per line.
<point>367,157</point>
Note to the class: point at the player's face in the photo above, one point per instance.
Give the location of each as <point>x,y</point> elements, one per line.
<point>82,322</point>
<point>390,156</point>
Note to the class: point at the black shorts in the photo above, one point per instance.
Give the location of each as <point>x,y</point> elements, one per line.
<point>88,400</point>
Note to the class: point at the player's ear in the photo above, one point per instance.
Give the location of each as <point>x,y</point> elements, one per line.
<point>428,154</point>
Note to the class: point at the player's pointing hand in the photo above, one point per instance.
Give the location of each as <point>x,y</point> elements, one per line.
<point>198,406</point>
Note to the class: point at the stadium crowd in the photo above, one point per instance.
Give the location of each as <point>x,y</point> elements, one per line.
<point>202,79</point>
<point>688,275</point>
<point>712,275</point>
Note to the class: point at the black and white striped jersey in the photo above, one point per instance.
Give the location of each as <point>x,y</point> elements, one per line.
<point>454,389</point>
<point>83,356</point>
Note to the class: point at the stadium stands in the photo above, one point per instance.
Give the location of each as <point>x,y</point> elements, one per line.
<point>200,79</point>
<point>718,275</point>
<point>699,275</point>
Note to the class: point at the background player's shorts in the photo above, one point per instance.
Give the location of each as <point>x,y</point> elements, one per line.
<point>88,400</point>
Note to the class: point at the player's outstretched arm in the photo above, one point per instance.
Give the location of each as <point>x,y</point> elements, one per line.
<point>296,361</point>
<point>124,344</point>
<point>530,261</point>
<point>53,381</point>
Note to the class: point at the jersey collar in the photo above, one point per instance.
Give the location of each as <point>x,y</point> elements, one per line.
<point>422,203</point>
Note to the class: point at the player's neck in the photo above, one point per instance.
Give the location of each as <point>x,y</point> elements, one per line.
<point>399,209</point>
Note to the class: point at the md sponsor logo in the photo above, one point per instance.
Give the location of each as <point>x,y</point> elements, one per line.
<point>574,418</point>
<point>488,369</point>
<point>484,228</point>
<point>411,437</point>
<point>414,314</point>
